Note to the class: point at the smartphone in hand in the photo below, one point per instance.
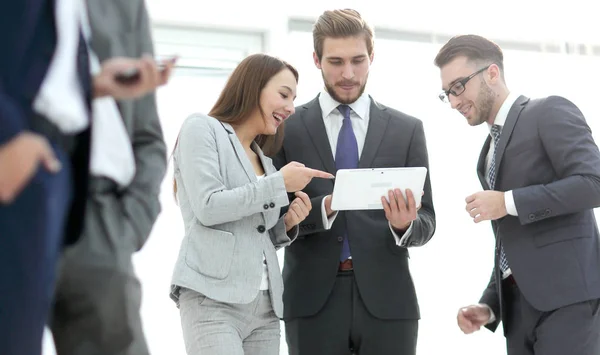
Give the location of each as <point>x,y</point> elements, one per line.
<point>132,75</point>
<point>128,77</point>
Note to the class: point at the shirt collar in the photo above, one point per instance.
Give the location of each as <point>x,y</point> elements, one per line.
<point>502,114</point>
<point>360,106</point>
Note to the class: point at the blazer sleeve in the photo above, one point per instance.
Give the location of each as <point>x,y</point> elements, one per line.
<point>280,237</point>
<point>12,119</point>
<point>13,16</point>
<point>212,202</point>
<point>313,223</point>
<point>568,142</point>
<point>491,299</point>
<point>423,227</point>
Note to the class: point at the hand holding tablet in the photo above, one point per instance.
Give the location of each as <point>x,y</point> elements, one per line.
<point>362,189</point>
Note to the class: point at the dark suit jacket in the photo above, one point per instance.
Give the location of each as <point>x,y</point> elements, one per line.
<point>28,40</point>
<point>381,267</point>
<point>547,156</point>
<point>32,226</point>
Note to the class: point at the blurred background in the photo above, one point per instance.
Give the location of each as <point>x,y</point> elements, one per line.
<point>550,49</point>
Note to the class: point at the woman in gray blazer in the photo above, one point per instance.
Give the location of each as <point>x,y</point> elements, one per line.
<point>227,281</point>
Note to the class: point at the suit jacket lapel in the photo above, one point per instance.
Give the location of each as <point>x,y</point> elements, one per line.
<point>240,152</point>
<point>265,161</point>
<point>507,129</point>
<point>481,163</point>
<point>313,120</point>
<point>378,121</point>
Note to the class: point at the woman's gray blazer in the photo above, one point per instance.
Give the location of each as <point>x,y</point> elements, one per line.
<point>231,218</point>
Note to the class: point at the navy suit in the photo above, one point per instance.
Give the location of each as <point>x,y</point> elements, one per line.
<point>49,210</point>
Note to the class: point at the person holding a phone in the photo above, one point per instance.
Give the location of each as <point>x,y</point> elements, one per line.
<point>98,296</point>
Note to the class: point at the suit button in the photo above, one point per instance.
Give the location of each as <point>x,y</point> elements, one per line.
<point>261,229</point>
<point>266,207</point>
<point>272,205</point>
<point>531,217</point>
<point>340,239</point>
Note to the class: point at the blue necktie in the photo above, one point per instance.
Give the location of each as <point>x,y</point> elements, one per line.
<point>495,132</point>
<point>346,157</point>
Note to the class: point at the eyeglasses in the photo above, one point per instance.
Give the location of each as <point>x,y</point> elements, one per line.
<point>458,87</point>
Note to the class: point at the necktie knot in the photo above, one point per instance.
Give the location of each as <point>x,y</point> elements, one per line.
<point>344,110</point>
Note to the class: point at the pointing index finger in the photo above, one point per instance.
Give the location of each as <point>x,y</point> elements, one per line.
<point>320,174</point>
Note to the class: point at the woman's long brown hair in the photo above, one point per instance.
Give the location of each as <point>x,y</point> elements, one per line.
<point>241,96</point>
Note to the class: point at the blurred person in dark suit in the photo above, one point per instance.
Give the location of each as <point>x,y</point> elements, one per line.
<point>45,94</point>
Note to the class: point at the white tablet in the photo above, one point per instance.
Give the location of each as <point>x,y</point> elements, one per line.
<point>361,189</point>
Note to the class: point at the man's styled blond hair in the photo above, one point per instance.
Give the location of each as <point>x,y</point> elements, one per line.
<point>340,24</point>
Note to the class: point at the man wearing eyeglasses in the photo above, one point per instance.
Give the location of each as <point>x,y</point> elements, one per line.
<point>540,170</point>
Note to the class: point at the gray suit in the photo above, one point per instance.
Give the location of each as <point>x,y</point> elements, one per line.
<point>231,219</point>
<point>98,296</point>
<point>232,224</point>
<point>547,156</point>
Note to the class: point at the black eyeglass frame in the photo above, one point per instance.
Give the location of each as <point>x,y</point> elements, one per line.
<point>445,94</point>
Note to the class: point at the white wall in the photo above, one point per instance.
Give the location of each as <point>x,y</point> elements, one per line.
<point>510,19</point>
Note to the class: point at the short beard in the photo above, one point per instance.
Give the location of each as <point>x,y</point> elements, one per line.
<point>331,91</point>
<point>484,103</point>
